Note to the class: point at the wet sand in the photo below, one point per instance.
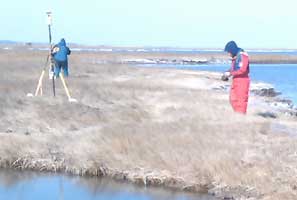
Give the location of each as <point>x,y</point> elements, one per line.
<point>172,128</point>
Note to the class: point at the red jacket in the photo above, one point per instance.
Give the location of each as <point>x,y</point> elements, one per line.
<point>240,65</point>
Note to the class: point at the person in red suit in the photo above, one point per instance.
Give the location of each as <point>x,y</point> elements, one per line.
<point>239,92</point>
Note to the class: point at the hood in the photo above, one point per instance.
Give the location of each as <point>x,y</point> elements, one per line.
<point>231,47</point>
<point>62,42</point>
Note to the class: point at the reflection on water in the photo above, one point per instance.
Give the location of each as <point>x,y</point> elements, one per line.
<point>16,185</point>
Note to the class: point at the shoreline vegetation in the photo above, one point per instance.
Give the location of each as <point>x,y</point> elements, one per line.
<point>143,55</point>
<point>150,126</point>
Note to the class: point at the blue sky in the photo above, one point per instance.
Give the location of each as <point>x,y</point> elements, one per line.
<point>175,23</point>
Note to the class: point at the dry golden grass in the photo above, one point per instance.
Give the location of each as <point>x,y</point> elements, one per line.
<point>148,126</point>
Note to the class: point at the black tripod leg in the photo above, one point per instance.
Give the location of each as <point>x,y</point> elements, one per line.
<point>54,86</point>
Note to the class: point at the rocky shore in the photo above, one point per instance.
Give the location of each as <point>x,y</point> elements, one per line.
<point>161,127</point>
<point>274,100</point>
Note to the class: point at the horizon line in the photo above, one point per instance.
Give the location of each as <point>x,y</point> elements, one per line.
<point>11,42</point>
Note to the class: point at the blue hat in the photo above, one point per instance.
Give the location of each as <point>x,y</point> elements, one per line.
<point>231,47</point>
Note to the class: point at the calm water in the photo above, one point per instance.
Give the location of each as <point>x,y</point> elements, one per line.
<point>282,76</point>
<point>34,186</point>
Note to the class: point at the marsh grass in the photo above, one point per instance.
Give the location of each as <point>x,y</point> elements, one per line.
<point>147,126</point>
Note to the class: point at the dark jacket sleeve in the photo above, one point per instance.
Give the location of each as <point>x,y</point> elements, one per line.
<point>68,51</point>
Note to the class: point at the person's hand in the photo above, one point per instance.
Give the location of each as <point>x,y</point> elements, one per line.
<point>225,76</point>
<point>56,49</point>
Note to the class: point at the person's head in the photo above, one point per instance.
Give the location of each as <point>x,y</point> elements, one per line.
<point>231,48</point>
<point>62,42</point>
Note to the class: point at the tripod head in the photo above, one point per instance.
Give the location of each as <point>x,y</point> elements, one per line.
<point>49,18</point>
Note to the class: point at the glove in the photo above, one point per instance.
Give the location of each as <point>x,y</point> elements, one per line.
<point>55,50</point>
<point>226,76</point>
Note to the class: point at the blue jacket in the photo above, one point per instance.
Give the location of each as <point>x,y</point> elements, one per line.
<point>60,51</point>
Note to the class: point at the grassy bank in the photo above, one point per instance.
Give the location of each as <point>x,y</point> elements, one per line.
<point>148,126</point>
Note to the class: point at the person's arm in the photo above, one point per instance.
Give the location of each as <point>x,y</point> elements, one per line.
<point>227,73</point>
<point>54,50</point>
<point>244,63</point>
<point>69,52</point>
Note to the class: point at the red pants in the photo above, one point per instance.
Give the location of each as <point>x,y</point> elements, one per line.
<point>239,94</point>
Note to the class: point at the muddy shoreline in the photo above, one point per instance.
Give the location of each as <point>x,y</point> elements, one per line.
<point>171,128</point>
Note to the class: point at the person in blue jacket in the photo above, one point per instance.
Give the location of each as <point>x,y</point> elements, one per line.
<point>60,54</point>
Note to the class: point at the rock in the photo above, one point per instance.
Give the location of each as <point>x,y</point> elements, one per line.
<point>9,130</point>
<point>287,102</point>
<point>194,61</point>
<point>224,78</point>
<point>266,92</point>
<point>263,89</point>
<point>282,104</point>
<point>267,115</point>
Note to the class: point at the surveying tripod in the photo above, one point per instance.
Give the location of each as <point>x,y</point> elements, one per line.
<point>50,63</point>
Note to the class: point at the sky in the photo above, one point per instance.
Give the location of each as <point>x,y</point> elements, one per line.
<point>166,23</point>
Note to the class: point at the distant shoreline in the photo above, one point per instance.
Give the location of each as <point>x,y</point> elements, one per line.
<point>179,48</point>
<point>130,55</point>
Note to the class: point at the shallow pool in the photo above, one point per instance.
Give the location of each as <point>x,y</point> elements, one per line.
<point>15,185</point>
